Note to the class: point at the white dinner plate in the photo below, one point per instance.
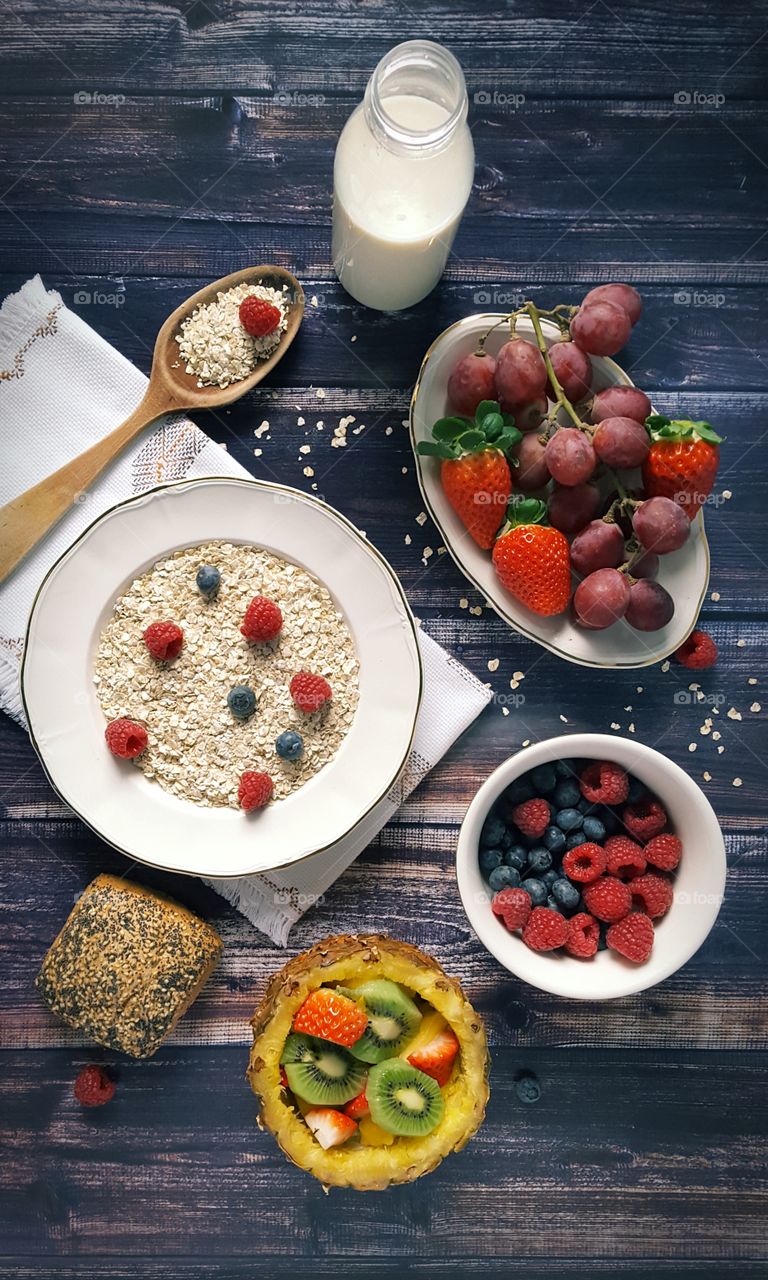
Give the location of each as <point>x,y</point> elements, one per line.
<point>67,724</point>
<point>685,573</point>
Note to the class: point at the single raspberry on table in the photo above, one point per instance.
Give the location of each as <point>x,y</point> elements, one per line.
<point>513,906</point>
<point>94,1086</point>
<point>583,936</point>
<point>644,819</point>
<point>164,640</point>
<point>584,863</point>
<point>263,620</point>
<point>625,857</point>
<point>255,790</point>
<point>604,783</point>
<point>125,738</point>
<point>546,930</point>
<point>309,692</point>
<point>652,893</point>
<point>608,898</point>
<point>664,852</point>
<point>531,817</point>
<point>632,937</point>
<point>698,652</point>
<point>257,316</point>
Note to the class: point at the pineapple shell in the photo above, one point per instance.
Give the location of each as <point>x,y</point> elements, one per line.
<point>351,959</point>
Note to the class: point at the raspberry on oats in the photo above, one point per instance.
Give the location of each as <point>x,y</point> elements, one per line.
<point>625,858</point>
<point>664,852</point>
<point>604,782</point>
<point>546,930</point>
<point>263,620</point>
<point>583,936</point>
<point>632,937</point>
<point>310,692</point>
<point>532,817</point>
<point>164,640</point>
<point>513,906</point>
<point>644,819</point>
<point>126,739</point>
<point>254,790</point>
<point>608,899</point>
<point>652,893</point>
<point>584,863</point>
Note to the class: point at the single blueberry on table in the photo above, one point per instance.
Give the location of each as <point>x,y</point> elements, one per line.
<point>489,859</point>
<point>528,1088</point>
<point>575,839</point>
<point>492,833</point>
<point>593,829</point>
<point>569,819</point>
<point>208,581</point>
<point>536,890</point>
<point>504,878</point>
<point>554,839</point>
<point>539,858</point>
<point>516,856</point>
<point>241,701</point>
<point>565,894</point>
<point>289,745</point>
<point>543,778</point>
<point>567,793</point>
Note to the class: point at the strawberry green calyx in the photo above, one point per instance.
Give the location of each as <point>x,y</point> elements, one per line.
<point>663,428</point>
<point>455,436</point>
<point>521,511</point>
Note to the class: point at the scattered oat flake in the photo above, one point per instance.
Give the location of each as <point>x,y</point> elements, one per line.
<point>752,680</point>
<point>320,393</point>
<point>564,720</point>
<point>519,675</point>
<point>756,707</point>
<point>527,742</point>
<point>309,471</point>
<point>639,688</point>
<point>463,603</point>
<point>261,430</point>
<point>514,684</point>
<point>493,664</point>
<point>741,644</point>
<point>313,300</point>
<point>630,728</point>
<point>693,746</point>
<point>505,711</point>
<point>727,494</point>
<point>665,666</point>
<point>733,714</point>
<point>407,539</point>
<point>421,517</point>
<point>339,438</point>
<point>388,431</point>
<point>720,750</point>
<point>477,610</point>
<point>716,735</point>
<point>305,448</point>
<point>707,776</point>
<point>299,422</point>
<point>427,552</point>
<point>714,595</point>
<point>614,725</point>
<point>737,782</point>
<point>353,338</point>
<point>404,471</point>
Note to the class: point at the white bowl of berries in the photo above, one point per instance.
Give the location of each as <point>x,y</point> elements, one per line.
<point>571,505</point>
<point>591,866</point>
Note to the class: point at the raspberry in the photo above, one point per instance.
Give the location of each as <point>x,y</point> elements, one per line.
<point>583,936</point>
<point>546,930</point>
<point>125,738</point>
<point>608,899</point>
<point>625,857</point>
<point>164,640</point>
<point>255,790</point>
<point>604,783</point>
<point>514,907</point>
<point>644,818</point>
<point>93,1087</point>
<point>698,651</point>
<point>652,894</point>
<point>258,317</point>
<point>632,937</point>
<point>584,863</point>
<point>263,620</point>
<point>531,817</point>
<point>310,692</point>
<point>664,852</point>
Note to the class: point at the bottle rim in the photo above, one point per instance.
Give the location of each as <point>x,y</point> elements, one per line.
<point>438,63</point>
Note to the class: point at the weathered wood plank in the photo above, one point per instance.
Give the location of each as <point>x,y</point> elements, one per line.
<point>16,1268</point>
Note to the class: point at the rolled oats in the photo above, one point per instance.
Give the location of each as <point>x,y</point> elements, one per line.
<point>213,344</point>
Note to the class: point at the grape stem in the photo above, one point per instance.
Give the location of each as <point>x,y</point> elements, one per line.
<point>533,314</point>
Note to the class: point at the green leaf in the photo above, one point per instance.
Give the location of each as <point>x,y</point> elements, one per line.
<point>509,419</point>
<point>492,423</point>
<point>526,511</point>
<point>472,440</point>
<point>707,432</point>
<point>655,421</point>
<point>485,408</point>
<point>509,438</point>
<point>449,428</point>
<point>436,449</point>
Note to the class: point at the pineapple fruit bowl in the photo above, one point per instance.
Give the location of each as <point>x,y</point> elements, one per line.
<point>370,1062</point>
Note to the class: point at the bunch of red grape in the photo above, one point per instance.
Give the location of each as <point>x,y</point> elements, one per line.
<point>618,534</point>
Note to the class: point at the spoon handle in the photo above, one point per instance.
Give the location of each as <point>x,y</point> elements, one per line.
<point>27,519</point>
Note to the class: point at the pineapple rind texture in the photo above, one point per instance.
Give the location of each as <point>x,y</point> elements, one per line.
<point>357,958</point>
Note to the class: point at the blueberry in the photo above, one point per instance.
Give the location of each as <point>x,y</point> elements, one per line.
<point>566,768</point>
<point>636,790</point>
<point>575,839</point>
<point>504,878</point>
<point>550,877</point>
<point>528,1088</point>
<point>289,745</point>
<point>519,790</point>
<point>565,894</point>
<point>593,829</point>
<point>492,833</point>
<point>609,819</point>
<point>539,859</point>
<point>585,806</point>
<point>516,856</point>
<point>543,778</point>
<point>554,839</point>
<point>567,793</point>
<point>536,890</point>
<point>569,819</point>
<point>554,905</point>
<point>602,941</point>
<point>507,840</point>
<point>241,701</point>
<point>208,581</point>
<point>489,860</point>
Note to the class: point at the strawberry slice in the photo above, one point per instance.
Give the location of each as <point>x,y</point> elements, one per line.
<point>331,1016</point>
<point>358,1107</point>
<point>329,1126</point>
<point>436,1058</point>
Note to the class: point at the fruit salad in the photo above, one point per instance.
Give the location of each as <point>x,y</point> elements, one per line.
<point>580,856</point>
<point>555,479</point>
<point>367,1064</point>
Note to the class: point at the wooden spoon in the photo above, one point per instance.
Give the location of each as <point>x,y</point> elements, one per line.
<point>28,518</point>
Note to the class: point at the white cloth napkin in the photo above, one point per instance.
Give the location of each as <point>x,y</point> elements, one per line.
<point>62,387</point>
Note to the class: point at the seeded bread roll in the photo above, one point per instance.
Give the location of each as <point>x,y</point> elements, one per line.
<point>127,964</point>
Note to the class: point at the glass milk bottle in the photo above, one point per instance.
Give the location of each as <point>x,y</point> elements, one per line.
<point>402,176</point>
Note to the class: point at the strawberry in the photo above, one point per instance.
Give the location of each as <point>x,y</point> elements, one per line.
<point>331,1016</point>
<point>532,560</point>
<point>682,461</point>
<point>436,1058</point>
<point>330,1127</point>
<point>357,1107</point>
<point>475,474</point>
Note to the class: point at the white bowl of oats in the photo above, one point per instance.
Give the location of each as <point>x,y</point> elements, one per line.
<point>211,711</point>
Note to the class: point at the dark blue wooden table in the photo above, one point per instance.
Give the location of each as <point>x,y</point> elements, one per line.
<point>639,153</point>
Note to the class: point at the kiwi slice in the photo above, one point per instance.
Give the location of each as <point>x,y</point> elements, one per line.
<point>392,1020</point>
<point>403,1100</point>
<point>319,1071</point>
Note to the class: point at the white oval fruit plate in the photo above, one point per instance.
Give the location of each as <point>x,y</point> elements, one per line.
<point>134,813</point>
<point>685,573</point>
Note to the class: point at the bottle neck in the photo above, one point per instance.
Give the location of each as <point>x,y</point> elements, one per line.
<point>417,69</point>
